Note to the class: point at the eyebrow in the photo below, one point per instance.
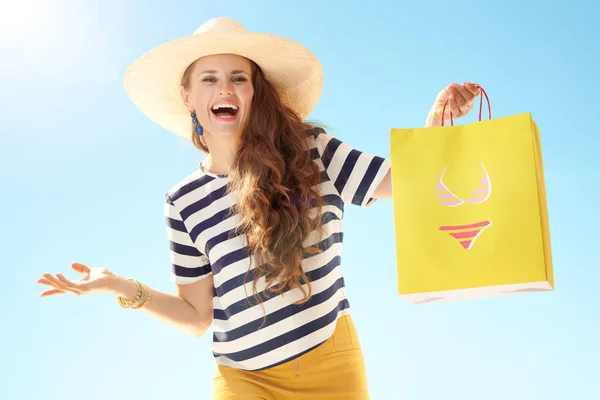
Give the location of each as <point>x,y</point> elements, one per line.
<point>212,71</point>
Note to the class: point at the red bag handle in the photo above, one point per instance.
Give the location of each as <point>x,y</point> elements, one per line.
<point>480,106</point>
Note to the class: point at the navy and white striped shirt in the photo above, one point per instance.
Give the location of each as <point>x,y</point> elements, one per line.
<point>200,224</point>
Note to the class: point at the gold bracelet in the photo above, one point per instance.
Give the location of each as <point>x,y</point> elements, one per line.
<point>147,300</point>
<point>127,304</point>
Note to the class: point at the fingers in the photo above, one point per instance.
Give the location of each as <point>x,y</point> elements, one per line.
<point>68,284</point>
<point>82,269</point>
<point>49,282</point>
<point>461,97</point>
<point>459,102</point>
<point>44,281</point>
<point>59,283</point>
<point>472,88</point>
<point>452,109</point>
<point>51,292</point>
<point>55,282</point>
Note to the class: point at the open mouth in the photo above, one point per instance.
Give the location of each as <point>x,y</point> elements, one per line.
<point>225,110</point>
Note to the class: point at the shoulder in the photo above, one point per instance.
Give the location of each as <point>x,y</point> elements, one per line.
<point>317,134</point>
<point>192,184</point>
<point>318,138</point>
<point>314,132</point>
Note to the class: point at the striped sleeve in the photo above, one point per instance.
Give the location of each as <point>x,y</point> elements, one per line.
<point>355,174</point>
<point>188,264</point>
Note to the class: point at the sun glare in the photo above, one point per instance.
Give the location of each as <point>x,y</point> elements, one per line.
<point>51,41</point>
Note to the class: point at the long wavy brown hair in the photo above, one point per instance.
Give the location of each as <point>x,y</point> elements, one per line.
<point>275,181</point>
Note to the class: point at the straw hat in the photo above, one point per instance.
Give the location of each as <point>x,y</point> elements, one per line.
<point>153,81</point>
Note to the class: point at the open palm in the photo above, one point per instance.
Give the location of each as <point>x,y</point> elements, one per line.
<point>95,280</point>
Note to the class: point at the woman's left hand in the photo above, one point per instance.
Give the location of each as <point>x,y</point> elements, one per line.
<point>461,102</point>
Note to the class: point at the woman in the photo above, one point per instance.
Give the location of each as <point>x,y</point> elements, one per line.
<point>255,231</point>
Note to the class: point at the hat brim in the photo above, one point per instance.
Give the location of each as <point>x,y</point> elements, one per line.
<point>153,81</point>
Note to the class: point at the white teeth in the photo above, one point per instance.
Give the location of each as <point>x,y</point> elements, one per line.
<point>225,105</point>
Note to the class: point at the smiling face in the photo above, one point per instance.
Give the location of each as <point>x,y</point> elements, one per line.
<point>219,88</point>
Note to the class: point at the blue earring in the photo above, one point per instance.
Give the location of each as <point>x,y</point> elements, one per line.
<point>197,127</point>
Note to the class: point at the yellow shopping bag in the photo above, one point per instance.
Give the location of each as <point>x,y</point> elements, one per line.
<point>470,210</point>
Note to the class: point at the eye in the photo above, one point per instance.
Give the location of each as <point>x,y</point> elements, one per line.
<point>239,79</point>
<point>210,79</point>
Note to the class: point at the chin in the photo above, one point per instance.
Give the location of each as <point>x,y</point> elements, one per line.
<point>227,132</point>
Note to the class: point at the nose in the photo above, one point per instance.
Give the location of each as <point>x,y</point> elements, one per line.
<point>226,88</point>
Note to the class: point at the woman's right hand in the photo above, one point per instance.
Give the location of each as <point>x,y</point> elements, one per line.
<point>96,279</point>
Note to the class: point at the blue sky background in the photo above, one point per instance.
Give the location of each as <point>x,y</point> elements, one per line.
<point>84,175</point>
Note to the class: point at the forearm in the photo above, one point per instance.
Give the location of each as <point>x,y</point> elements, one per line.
<point>166,307</point>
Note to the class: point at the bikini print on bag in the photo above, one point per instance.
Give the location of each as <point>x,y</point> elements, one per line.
<point>465,234</point>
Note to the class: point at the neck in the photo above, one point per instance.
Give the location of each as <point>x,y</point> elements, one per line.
<point>222,153</point>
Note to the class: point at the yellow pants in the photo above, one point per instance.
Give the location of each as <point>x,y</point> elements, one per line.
<point>333,371</point>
